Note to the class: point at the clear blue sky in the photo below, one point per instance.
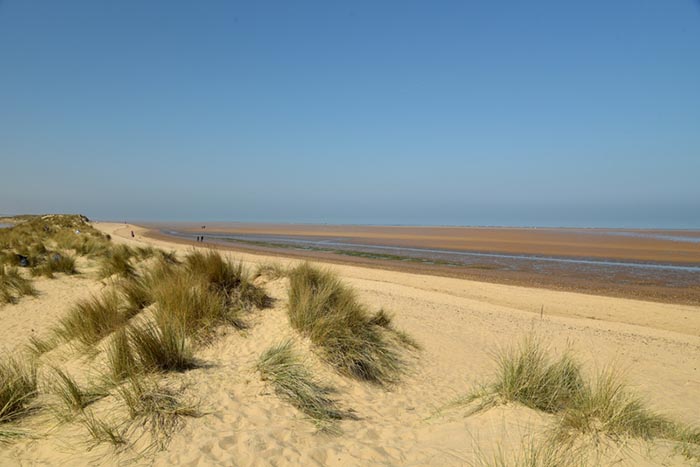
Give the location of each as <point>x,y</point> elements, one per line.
<point>550,112</point>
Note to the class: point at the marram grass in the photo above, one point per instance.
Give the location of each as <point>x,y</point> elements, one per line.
<point>350,339</point>
<point>293,382</point>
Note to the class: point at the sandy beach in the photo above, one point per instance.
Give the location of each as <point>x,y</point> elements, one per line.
<point>460,324</point>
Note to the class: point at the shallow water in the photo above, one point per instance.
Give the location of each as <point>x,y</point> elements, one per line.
<point>671,275</point>
<point>4,226</point>
<point>653,236</point>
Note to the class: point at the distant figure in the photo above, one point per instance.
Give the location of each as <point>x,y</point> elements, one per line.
<point>202,237</point>
<point>132,234</point>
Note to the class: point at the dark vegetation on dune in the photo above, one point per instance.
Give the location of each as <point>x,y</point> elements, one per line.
<point>153,313</point>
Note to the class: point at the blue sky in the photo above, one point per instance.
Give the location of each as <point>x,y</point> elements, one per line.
<point>469,113</point>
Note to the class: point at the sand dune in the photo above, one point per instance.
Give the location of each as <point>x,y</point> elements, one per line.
<point>459,323</point>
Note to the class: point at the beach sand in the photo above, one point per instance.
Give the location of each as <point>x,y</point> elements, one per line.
<point>459,323</point>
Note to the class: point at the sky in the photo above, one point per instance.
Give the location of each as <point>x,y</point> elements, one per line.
<point>540,113</point>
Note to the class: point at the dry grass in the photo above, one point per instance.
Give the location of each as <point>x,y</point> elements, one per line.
<point>38,346</point>
<point>117,261</point>
<point>136,293</point>
<point>156,408</point>
<point>53,263</point>
<point>227,278</point>
<point>102,432</point>
<point>93,319</point>
<point>18,387</point>
<point>532,454</point>
<point>121,362</point>
<point>606,407</point>
<point>293,382</point>
<point>161,347</point>
<point>528,375</point>
<point>350,339</point>
<point>13,286</point>
<point>601,408</point>
<point>186,301</point>
<point>71,395</point>
<point>271,270</point>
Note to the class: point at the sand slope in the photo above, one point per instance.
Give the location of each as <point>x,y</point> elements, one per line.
<point>459,323</point>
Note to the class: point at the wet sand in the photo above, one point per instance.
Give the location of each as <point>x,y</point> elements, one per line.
<point>629,245</point>
<point>661,249</point>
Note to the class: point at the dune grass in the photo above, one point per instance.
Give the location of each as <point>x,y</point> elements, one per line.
<point>18,387</point>
<point>161,347</point>
<point>271,271</point>
<point>136,292</point>
<point>528,375</point>
<point>121,362</point>
<point>532,454</point>
<point>293,382</point>
<point>606,406</point>
<point>13,285</point>
<point>38,346</point>
<point>53,263</point>
<point>226,277</point>
<point>601,407</point>
<point>92,319</point>
<point>186,301</point>
<point>156,408</point>
<point>72,396</point>
<point>117,261</point>
<point>169,257</point>
<point>348,336</point>
<point>103,432</point>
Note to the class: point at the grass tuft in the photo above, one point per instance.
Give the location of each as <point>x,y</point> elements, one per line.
<point>226,277</point>
<point>73,397</point>
<point>156,408</point>
<point>121,362</point>
<point>102,432</point>
<point>117,261</point>
<point>136,293</point>
<point>350,339</point>
<point>13,286</point>
<point>603,407</point>
<point>294,382</point>
<point>606,407</point>
<point>161,347</point>
<point>18,388</point>
<point>92,319</point>
<point>526,374</point>
<point>37,346</point>
<point>271,270</point>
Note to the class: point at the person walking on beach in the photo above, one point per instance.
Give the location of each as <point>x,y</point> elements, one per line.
<point>132,234</point>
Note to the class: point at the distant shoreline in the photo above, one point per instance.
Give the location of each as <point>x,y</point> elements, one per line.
<point>668,286</point>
